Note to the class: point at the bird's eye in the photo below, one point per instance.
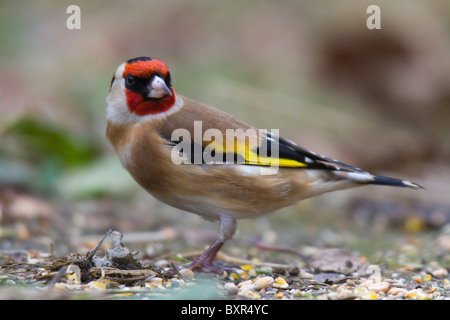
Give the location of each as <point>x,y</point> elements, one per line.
<point>168,80</point>
<point>130,80</point>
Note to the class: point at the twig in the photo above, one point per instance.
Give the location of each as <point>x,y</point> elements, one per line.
<point>239,261</point>
<point>261,246</point>
<point>56,278</point>
<point>91,253</point>
<point>119,272</point>
<point>145,280</point>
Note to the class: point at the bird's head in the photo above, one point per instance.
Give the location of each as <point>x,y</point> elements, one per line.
<point>140,87</point>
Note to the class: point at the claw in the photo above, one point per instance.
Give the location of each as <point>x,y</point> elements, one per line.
<point>219,270</point>
<point>231,270</point>
<point>205,261</point>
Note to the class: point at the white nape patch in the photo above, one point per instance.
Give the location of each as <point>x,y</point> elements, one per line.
<point>116,110</point>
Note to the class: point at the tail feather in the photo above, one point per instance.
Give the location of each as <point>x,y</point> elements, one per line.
<point>367,178</point>
<point>386,181</point>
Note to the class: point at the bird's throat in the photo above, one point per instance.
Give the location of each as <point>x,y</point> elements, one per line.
<point>142,107</point>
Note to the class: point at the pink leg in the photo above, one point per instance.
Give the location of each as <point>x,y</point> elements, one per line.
<point>205,261</point>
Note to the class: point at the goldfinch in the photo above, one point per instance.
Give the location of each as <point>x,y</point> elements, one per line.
<point>202,160</point>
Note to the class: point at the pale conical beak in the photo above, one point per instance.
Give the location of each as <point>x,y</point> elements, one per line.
<point>158,88</point>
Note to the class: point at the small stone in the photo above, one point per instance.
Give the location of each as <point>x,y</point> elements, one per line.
<point>366,283</point>
<point>344,293</point>
<point>294,271</point>
<point>60,286</point>
<point>381,286</point>
<point>249,271</point>
<point>240,274</point>
<point>249,293</point>
<point>397,291</point>
<point>323,296</point>
<point>163,263</point>
<point>417,294</point>
<point>231,288</point>
<point>306,275</point>
<point>245,284</point>
<point>332,296</point>
<point>98,285</point>
<point>187,273</point>
<point>369,295</point>
<point>262,283</point>
<point>155,281</point>
<point>246,267</point>
<point>297,293</point>
<point>350,282</point>
<point>439,273</point>
<point>280,282</point>
<point>359,291</point>
<point>180,282</point>
<point>252,273</point>
<point>278,295</point>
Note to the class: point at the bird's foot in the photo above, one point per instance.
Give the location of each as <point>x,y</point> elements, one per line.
<point>204,263</point>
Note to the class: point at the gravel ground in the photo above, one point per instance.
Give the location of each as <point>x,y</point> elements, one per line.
<point>355,249</point>
<point>117,273</point>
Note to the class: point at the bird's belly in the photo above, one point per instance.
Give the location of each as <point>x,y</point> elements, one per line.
<point>213,209</point>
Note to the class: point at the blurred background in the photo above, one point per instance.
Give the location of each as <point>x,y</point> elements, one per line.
<point>377,99</point>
